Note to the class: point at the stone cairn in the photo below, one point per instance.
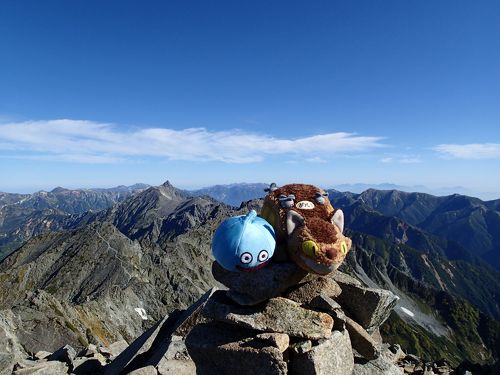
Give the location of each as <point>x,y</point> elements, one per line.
<point>278,320</point>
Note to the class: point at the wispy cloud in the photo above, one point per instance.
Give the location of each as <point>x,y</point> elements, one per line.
<point>386,160</point>
<point>316,159</point>
<point>401,159</point>
<point>91,142</point>
<point>469,151</point>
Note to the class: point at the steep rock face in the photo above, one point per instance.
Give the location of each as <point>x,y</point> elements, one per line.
<point>10,346</point>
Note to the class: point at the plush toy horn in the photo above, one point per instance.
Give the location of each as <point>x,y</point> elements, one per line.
<point>293,220</point>
<point>338,219</point>
<point>271,188</point>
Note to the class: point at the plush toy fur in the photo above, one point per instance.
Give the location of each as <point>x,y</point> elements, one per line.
<point>308,226</point>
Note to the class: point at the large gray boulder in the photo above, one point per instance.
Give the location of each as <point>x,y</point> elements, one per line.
<point>329,356</point>
<point>251,288</point>
<point>218,348</point>
<point>64,354</point>
<point>278,315</point>
<point>379,366</point>
<point>361,340</point>
<point>41,368</point>
<point>368,306</point>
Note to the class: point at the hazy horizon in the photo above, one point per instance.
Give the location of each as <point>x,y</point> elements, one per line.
<point>353,188</point>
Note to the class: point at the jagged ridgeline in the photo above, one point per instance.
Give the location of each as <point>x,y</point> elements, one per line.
<point>94,273</point>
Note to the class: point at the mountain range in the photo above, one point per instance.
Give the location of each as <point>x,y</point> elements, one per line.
<point>23,216</point>
<point>98,266</point>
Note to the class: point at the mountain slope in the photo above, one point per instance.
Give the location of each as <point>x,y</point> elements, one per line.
<point>427,321</point>
<point>443,265</point>
<point>96,284</point>
<point>471,222</point>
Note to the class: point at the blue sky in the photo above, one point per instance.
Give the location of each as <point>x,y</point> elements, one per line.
<point>100,93</point>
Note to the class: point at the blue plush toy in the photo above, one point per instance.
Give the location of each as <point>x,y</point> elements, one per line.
<point>243,243</point>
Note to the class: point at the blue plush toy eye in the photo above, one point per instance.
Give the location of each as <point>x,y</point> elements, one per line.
<point>243,243</point>
<point>246,258</point>
<point>263,256</point>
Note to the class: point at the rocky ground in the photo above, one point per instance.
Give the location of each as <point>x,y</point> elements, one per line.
<point>277,321</point>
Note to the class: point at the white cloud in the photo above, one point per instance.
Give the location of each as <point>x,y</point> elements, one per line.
<point>316,159</point>
<point>386,160</point>
<point>469,151</point>
<point>91,142</point>
<point>401,159</point>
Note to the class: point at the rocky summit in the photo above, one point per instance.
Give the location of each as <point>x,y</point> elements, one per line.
<point>307,328</point>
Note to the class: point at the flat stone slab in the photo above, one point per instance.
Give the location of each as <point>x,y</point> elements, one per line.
<point>379,366</point>
<point>278,315</point>
<point>42,354</point>
<point>43,368</point>
<point>305,292</point>
<point>343,278</point>
<point>251,288</point>
<point>175,367</point>
<point>330,356</point>
<point>148,370</point>
<point>218,348</point>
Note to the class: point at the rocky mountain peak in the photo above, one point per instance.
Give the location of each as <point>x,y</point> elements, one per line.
<point>58,189</point>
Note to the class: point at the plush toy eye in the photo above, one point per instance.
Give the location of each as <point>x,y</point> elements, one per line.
<point>286,201</point>
<point>343,248</point>
<point>263,255</point>
<point>246,258</point>
<point>320,197</point>
<point>310,248</point>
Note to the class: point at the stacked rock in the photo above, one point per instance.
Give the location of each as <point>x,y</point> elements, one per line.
<point>282,320</point>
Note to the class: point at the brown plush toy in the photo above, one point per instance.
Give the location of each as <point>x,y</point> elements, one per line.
<point>307,226</point>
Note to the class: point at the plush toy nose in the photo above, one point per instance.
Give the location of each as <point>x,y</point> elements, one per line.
<point>330,253</point>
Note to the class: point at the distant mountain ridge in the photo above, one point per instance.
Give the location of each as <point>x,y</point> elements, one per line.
<point>23,216</point>
<point>233,194</point>
<point>360,187</point>
<point>468,221</point>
